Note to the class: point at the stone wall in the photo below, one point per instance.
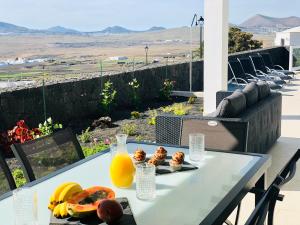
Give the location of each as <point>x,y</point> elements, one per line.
<point>79,99</point>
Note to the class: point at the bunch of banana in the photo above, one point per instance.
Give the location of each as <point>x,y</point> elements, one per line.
<point>60,211</point>
<point>59,197</point>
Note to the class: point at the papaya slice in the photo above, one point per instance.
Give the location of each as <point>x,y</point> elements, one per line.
<point>86,202</point>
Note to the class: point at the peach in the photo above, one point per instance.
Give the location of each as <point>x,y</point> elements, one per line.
<point>109,211</point>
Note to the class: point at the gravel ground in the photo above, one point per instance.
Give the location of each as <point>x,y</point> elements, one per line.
<point>120,118</point>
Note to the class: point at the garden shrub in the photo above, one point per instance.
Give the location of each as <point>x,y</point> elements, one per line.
<point>94,148</point>
<point>108,97</point>
<point>130,129</point>
<point>19,177</point>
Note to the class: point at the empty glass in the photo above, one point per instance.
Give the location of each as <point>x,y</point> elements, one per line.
<point>145,181</point>
<point>196,146</point>
<point>25,206</point>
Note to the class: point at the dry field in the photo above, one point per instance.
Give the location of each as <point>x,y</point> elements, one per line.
<point>73,56</point>
<point>81,55</point>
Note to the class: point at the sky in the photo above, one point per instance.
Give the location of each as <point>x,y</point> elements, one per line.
<point>92,15</point>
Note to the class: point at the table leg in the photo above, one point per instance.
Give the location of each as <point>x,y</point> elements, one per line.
<point>260,185</point>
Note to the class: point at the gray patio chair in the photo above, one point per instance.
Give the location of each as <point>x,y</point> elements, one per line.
<point>261,68</point>
<point>250,70</point>
<point>45,155</point>
<point>261,211</point>
<point>271,67</point>
<point>7,182</point>
<point>284,176</point>
<point>238,71</point>
<point>233,81</point>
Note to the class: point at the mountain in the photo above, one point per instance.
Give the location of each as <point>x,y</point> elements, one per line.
<point>116,30</point>
<point>62,30</point>
<point>155,29</point>
<point>271,22</point>
<point>11,28</point>
<point>7,28</point>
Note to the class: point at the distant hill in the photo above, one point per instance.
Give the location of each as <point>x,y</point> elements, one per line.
<point>116,30</point>
<point>155,29</point>
<point>7,28</point>
<point>11,28</point>
<point>271,22</point>
<point>62,30</point>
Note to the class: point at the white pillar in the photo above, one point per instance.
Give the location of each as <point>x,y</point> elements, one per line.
<point>215,51</point>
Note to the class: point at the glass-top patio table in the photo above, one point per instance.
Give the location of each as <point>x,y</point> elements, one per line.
<point>203,196</point>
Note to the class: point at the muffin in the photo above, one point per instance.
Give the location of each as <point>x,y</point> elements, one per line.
<point>161,150</point>
<point>175,165</point>
<point>177,161</point>
<point>153,161</point>
<point>160,154</point>
<point>139,156</point>
<point>178,157</point>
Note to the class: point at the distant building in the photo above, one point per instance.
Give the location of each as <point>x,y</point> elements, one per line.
<point>118,58</point>
<point>289,37</point>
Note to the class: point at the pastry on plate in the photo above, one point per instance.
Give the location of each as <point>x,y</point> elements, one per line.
<point>139,156</point>
<point>177,161</point>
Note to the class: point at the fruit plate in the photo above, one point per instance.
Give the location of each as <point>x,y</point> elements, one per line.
<point>165,167</point>
<point>126,219</point>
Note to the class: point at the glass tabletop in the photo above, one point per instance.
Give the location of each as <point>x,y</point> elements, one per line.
<point>181,198</point>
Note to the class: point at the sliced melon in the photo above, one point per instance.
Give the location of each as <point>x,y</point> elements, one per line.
<point>86,202</point>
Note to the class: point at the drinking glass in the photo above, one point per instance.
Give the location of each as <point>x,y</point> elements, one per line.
<point>196,146</point>
<point>145,181</point>
<point>25,206</point>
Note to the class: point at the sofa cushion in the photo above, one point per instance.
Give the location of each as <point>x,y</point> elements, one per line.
<point>263,89</point>
<point>251,93</point>
<point>232,105</point>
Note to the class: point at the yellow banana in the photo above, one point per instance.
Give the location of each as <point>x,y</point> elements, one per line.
<point>52,198</point>
<point>55,196</point>
<point>51,206</point>
<point>68,191</point>
<point>63,210</point>
<point>56,211</point>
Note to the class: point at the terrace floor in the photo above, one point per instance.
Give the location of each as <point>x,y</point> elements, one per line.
<point>288,211</point>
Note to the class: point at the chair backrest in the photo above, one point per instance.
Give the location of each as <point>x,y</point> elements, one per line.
<point>231,75</point>
<point>258,63</point>
<point>259,214</point>
<point>267,60</point>
<point>289,171</point>
<point>7,182</point>
<point>219,135</point>
<point>45,155</point>
<point>247,65</point>
<point>237,69</point>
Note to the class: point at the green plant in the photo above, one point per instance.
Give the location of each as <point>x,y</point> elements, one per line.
<point>241,41</point>
<point>48,127</point>
<point>94,148</point>
<point>130,129</point>
<point>201,109</point>
<point>85,136</point>
<point>19,177</point>
<point>135,115</point>
<point>134,93</point>
<point>152,117</point>
<point>181,109</point>
<point>139,138</point>
<point>108,97</point>
<point>178,109</point>
<point>192,100</point>
<point>166,90</point>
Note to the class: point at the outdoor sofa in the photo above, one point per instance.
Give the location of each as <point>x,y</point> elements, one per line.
<point>245,121</point>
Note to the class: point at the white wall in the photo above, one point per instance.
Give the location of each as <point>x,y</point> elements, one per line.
<point>284,36</point>
<point>215,51</point>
